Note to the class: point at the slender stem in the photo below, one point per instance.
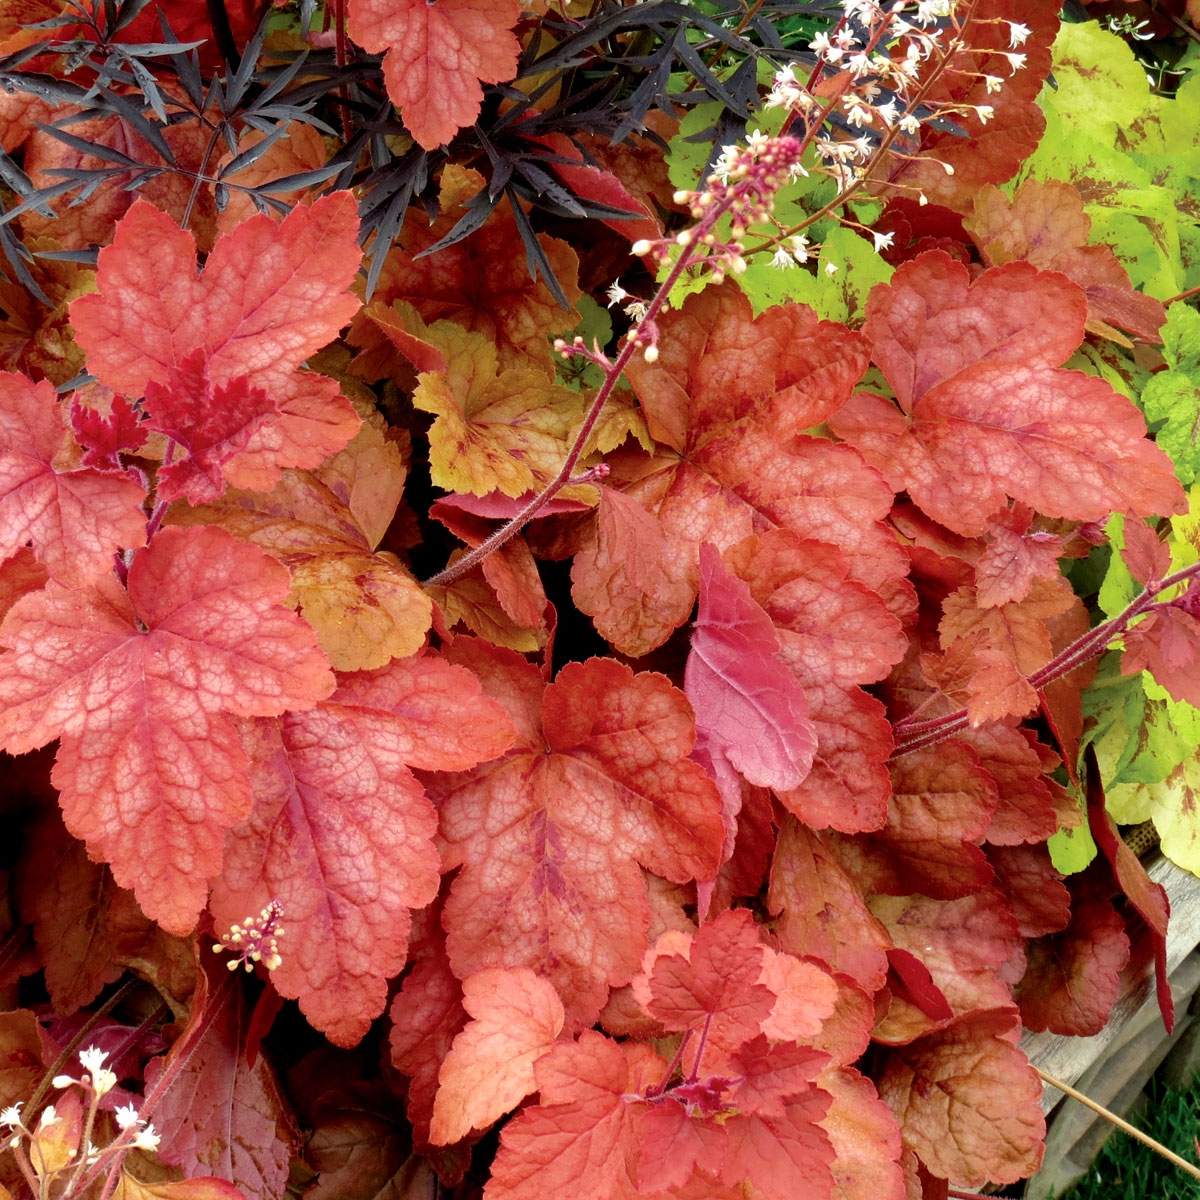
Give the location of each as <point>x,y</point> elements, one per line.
<point>915,735</point>
<point>1183,296</point>
<point>1157,1147</point>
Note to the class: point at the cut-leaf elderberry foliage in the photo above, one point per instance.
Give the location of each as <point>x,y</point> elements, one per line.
<point>612,765</point>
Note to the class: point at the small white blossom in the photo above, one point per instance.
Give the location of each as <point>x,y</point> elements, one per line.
<point>781,260</point>
<point>820,44</point>
<point>92,1058</point>
<point>103,1080</point>
<point>1016,61</point>
<point>10,1117</point>
<point>831,268</point>
<point>616,293</point>
<point>985,112</point>
<point>62,1081</point>
<point>859,65</point>
<point>127,1116</point>
<point>910,124</point>
<point>799,245</point>
<point>889,113</point>
<point>49,1117</point>
<point>1017,34</point>
<point>147,1139</point>
<point>883,241</point>
<point>994,83</point>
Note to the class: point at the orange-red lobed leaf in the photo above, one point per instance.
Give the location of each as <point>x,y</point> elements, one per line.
<point>137,686</point>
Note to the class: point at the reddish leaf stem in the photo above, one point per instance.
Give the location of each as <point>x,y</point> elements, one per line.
<point>916,735</point>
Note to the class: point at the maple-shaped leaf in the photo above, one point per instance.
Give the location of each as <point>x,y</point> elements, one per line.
<point>821,910</point>
<point>341,832</point>
<point>75,519</point>
<point>1019,765</point>
<point>1166,644</point>
<point>1072,977</point>
<point>1147,558</point>
<point>751,710</point>
<point>967,1100</point>
<point>549,837</point>
<point>582,1138</point>
<point>269,296</point>
<point>104,439</point>
<point>515,1017</point>
<point>137,685</point>
<point>1045,224</point>
<point>785,1154</point>
<point>986,414</point>
<point>673,1146</point>
<point>1014,556</point>
<point>210,424</point>
<point>769,1075</point>
<point>436,56</point>
<point>365,607</point>
<point>495,430</point>
<point>222,1114</point>
<point>717,984</point>
<point>480,283</point>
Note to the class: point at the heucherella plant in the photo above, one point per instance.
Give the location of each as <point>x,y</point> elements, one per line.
<point>606,516</point>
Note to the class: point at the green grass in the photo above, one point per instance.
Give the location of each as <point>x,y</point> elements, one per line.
<point>1127,1170</point>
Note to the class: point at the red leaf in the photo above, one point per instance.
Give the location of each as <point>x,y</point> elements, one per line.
<point>865,1137</point>
<point>104,439</point>
<point>750,708</point>
<point>782,1156</point>
<point>269,296</point>
<point>1146,557</point>
<point>221,1115</point>
<point>1072,978</point>
<point>547,883</point>
<point>1035,890</point>
<point>1013,558</point>
<point>673,1146</point>
<point>1148,898</point>
<point>516,1015</point>
<point>716,985</point>
<point>581,1140</point>
<point>435,57</point>
<point>136,685</point>
<point>75,520</point>
<point>1167,643</point>
<point>967,1100</point>
<point>342,833</point>
<point>210,424</point>
<point>1017,763</point>
<point>919,985</point>
<point>770,1074</point>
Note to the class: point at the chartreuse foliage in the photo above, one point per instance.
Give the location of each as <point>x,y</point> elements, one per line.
<point>662,745</point>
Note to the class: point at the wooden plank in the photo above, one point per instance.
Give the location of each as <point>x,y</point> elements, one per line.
<point>1067,1058</point>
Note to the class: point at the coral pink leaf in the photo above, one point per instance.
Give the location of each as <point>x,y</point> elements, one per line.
<point>1146,557</point>
<point>550,836</point>
<point>137,686</point>
<point>749,707</point>
<point>436,56</point>
<point>770,1075</point>
<point>783,1156</point>
<point>516,1015</point>
<point>269,296</point>
<point>75,520</point>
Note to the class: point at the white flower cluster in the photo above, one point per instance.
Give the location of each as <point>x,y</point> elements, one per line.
<point>255,940</point>
<point>888,51</point>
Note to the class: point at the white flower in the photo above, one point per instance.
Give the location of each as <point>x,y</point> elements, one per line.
<point>859,114</point>
<point>10,1117</point>
<point>147,1139</point>
<point>883,241</point>
<point>799,245</point>
<point>1017,34</point>
<point>985,112</point>
<point>859,65</point>
<point>781,260</point>
<point>49,1117</point>
<point>1016,61</point>
<point>994,83</point>
<point>889,113</point>
<point>127,1116</point>
<point>831,268</point>
<point>820,44</point>
<point>92,1058</point>
<point>910,124</point>
<point>616,293</point>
